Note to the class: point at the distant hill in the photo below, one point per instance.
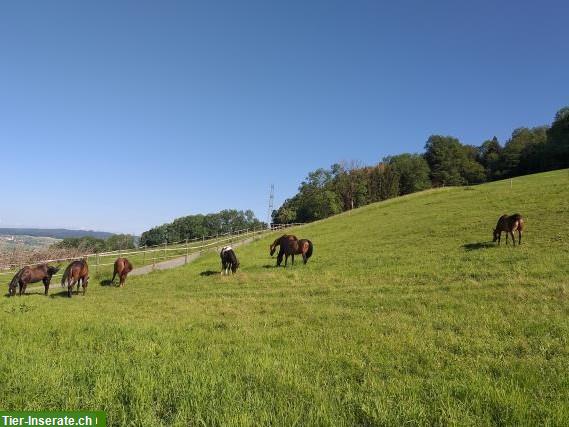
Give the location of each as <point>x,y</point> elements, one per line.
<point>56,233</point>
<point>9,242</point>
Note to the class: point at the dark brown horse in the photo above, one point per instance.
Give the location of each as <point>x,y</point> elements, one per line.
<point>291,246</point>
<point>39,273</point>
<point>76,273</point>
<point>122,268</point>
<point>281,242</point>
<point>509,224</point>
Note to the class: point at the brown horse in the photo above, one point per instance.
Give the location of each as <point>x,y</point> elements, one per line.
<point>292,247</point>
<point>76,273</point>
<point>39,273</point>
<point>122,268</point>
<point>509,224</point>
<point>281,242</point>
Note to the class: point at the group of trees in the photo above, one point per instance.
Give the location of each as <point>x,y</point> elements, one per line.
<point>195,226</point>
<point>445,162</point>
<point>88,244</point>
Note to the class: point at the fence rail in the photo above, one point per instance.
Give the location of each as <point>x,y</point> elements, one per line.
<point>150,254</point>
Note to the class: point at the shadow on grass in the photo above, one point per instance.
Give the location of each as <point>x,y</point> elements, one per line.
<point>106,282</point>
<point>63,294</point>
<point>27,294</point>
<point>208,273</point>
<point>478,245</point>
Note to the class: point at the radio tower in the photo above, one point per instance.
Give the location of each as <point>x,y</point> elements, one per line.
<point>271,203</point>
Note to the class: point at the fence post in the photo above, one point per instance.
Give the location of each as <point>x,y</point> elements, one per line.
<point>186,251</point>
<point>165,246</point>
<point>144,255</point>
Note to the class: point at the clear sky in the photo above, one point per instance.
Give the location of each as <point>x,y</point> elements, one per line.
<point>122,115</point>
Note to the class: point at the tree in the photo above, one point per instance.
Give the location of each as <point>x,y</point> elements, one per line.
<point>196,226</point>
<point>488,156</point>
<point>558,141</point>
<point>315,205</point>
<point>350,183</point>
<point>119,241</point>
<point>452,163</point>
<point>515,155</point>
<point>413,171</point>
<point>445,157</point>
<point>384,182</point>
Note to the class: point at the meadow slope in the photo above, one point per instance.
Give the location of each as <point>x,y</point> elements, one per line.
<point>405,314</point>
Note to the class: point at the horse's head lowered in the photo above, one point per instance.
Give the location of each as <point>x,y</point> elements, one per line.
<point>273,248</point>
<point>496,235</point>
<point>52,270</point>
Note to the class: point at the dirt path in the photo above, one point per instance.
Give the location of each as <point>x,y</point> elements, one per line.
<point>177,262</point>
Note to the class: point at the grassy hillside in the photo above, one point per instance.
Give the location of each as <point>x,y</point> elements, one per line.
<point>405,314</point>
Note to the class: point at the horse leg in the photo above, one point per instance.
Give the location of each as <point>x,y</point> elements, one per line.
<point>22,288</point>
<point>46,287</point>
<point>292,259</point>
<point>280,257</point>
<point>513,238</point>
<point>304,259</point>
<point>286,259</point>
<point>519,237</point>
<point>85,283</point>
<point>506,237</point>
<point>70,285</point>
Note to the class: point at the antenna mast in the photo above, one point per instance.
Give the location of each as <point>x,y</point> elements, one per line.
<point>271,205</point>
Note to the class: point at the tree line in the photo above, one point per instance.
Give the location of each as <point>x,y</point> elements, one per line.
<point>195,226</point>
<point>90,244</point>
<point>445,162</point>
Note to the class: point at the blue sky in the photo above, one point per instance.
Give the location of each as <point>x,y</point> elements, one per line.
<point>120,116</point>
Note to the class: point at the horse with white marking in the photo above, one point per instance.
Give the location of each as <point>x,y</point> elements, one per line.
<point>229,260</point>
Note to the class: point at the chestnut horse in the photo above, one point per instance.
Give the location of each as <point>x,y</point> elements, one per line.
<point>509,224</point>
<point>76,273</point>
<point>291,246</point>
<point>281,242</point>
<point>122,268</point>
<point>39,273</point>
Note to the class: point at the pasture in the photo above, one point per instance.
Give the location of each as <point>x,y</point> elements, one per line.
<point>405,314</point>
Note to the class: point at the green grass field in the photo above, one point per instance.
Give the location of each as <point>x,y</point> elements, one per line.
<point>406,314</point>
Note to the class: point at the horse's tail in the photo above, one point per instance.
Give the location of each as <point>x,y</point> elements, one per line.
<point>520,220</point>
<point>310,249</point>
<point>65,277</point>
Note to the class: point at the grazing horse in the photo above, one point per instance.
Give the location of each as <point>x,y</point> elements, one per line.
<point>39,273</point>
<point>509,224</point>
<point>122,268</point>
<point>291,247</point>
<point>281,242</point>
<point>229,260</point>
<point>76,273</point>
